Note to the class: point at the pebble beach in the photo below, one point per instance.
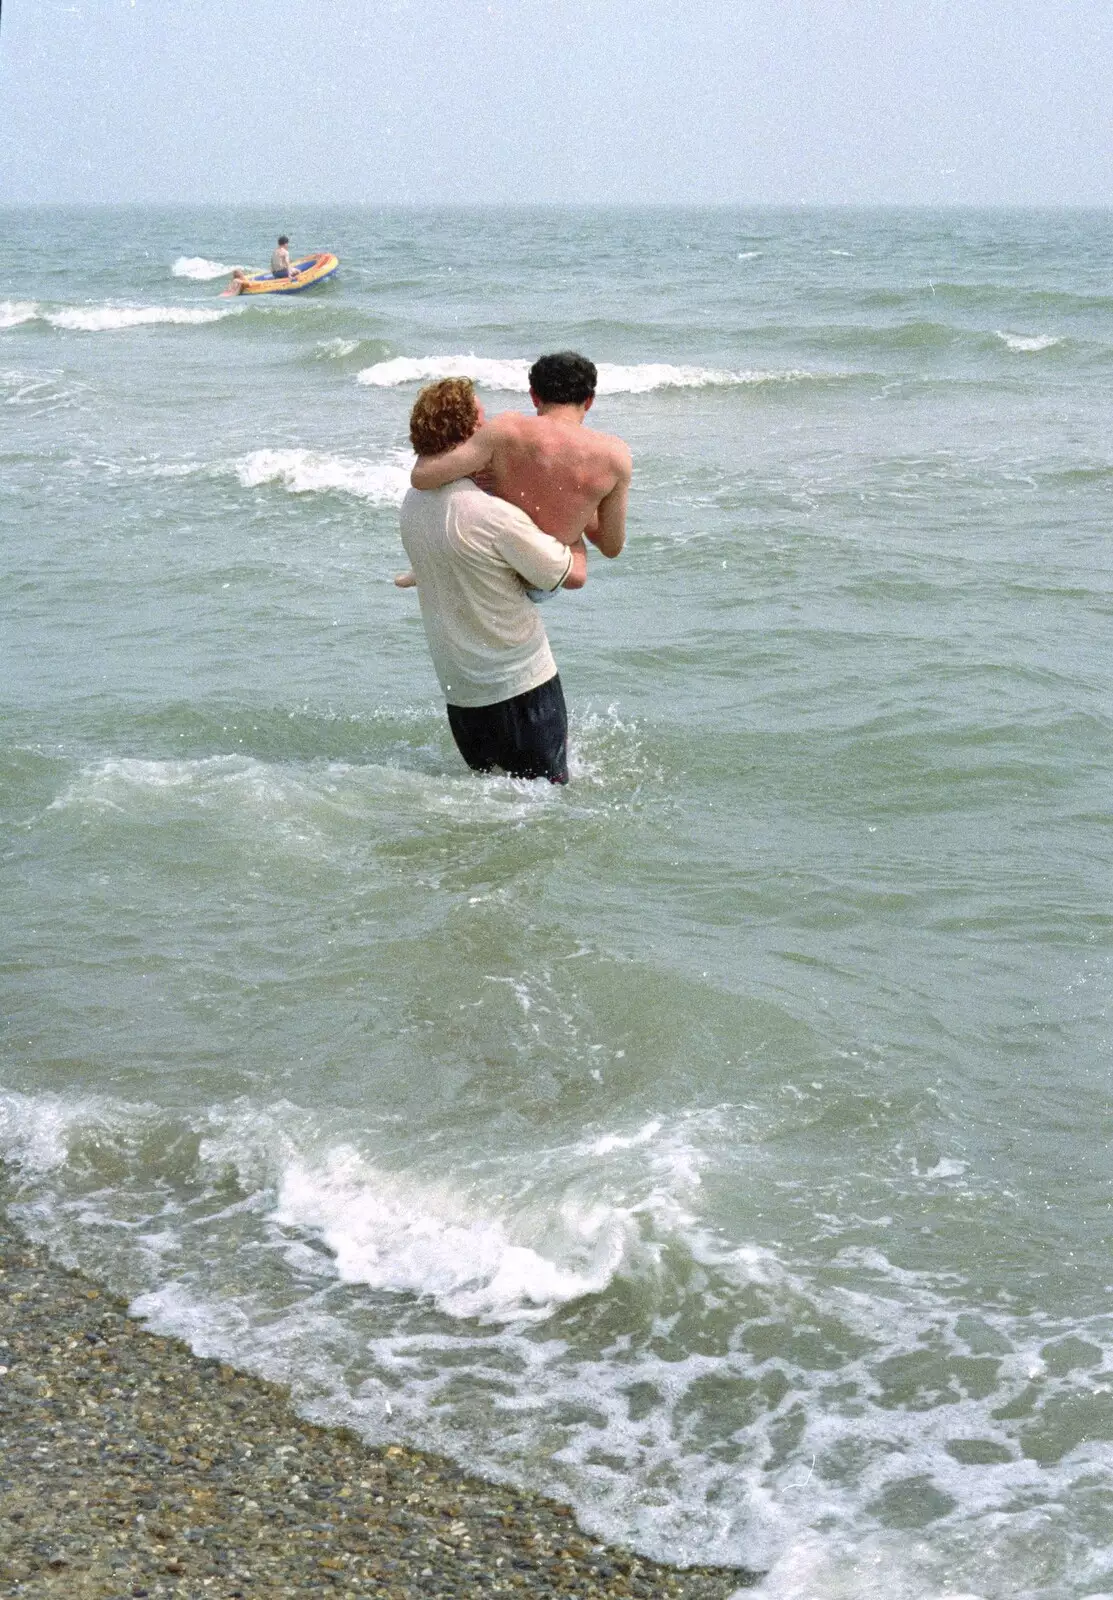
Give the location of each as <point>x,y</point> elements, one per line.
<point>131,1468</point>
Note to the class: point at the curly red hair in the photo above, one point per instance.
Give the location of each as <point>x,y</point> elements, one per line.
<point>444,414</point>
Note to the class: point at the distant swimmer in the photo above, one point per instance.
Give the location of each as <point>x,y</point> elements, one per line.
<point>571,481</point>
<point>239,278</point>
<point>280,259</point>
<point>473,553</point>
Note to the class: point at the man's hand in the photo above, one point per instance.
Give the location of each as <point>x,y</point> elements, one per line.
<point>577,572</point>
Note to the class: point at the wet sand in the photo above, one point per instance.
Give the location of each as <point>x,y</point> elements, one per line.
<point>131,1468</point>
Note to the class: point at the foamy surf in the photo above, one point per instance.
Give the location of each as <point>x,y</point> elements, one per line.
<point>309,808</point>
<point>113,319</point>
<point>1028,342</point>
<point>108,318</point>
<point>776,1446</point>
<point>513,375</point>
<point>199,269</point>
<point>39,391</point>
<point>394,1235</point>
<point>316,472</point>
<point>15,312</point>
<point>337,349</point>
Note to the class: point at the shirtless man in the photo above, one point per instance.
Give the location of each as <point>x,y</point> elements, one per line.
<point>280,260</point>
<point>571,481</point>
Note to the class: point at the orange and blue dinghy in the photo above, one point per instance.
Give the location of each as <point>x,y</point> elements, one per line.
<point>304,274</point>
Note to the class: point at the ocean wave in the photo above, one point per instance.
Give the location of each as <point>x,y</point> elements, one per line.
<point>199,269</point>
<point>337,349</point>
<point>976,296</point>
<point>1028,341</point>
<point>512,375</point>
<point>806,1432</point>
<point>15,312</point>
<point>50,391</point>
<point>312,471</point>
<point>108,318</point>
<point>309,806</point>
<point>390,1234</point>
<point>852,341</point>
<point>111,319</point>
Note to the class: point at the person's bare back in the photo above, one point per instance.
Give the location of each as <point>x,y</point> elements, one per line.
<point>569,480</point>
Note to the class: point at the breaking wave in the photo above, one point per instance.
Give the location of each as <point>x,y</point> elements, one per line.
<point>15,312</point>
<point>108,318</point>
<point>1028,341</point>
<point>311,471</point>
<point>199,269</point>
<point>512,376</point>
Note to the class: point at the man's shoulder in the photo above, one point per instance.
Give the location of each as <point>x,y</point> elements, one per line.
<point>510,425</point>
<point>609,450</point>
<point>610,442</point>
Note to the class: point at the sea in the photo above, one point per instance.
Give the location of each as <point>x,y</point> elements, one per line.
<point>721,1144</point>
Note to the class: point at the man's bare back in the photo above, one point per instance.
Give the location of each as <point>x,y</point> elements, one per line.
<point>569,480</point>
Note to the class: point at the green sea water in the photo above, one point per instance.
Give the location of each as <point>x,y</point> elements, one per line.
<point>723,1143</point>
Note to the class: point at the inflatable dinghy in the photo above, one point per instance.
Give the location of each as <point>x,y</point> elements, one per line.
<point>304,274</point>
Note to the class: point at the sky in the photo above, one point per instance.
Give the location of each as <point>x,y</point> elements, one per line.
<point>823,102</point>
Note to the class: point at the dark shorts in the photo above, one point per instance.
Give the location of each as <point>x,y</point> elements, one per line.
<point>526,736</point>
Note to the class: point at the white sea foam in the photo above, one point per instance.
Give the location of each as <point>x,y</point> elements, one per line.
<point>112,319</point>
<point>15,312</point>
<point>512,376</point>
<point>878,1567</point>
<point>1028,341</point>
<point>108,783</point>
<point>40,391</point>
<point>34,1129</point>
<point>315,472</point>
<point>198,268</point>
<point>948,1167</point>
<point>609,1142</point>
<point>692,1450</point>
<point>425,1240</point>
<point>336,349</point>
<point>303,808</point>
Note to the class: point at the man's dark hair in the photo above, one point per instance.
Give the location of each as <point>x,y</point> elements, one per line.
<point>282,239</point>
<point>564,379</point>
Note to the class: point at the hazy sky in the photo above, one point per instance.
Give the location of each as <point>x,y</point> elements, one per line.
<point>825,101</point>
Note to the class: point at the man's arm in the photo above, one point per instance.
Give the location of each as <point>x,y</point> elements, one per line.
<point>433,472</point>
<point>541,561</point>
<point>609,533</point>
<point>577,572</point>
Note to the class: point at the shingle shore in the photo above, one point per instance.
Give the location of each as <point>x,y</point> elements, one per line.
<point>130,1468</point>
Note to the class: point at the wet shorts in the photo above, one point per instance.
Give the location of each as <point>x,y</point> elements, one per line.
<point>526,736</point>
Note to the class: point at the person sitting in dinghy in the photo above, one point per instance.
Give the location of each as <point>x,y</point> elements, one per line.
<point>280,260</point>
